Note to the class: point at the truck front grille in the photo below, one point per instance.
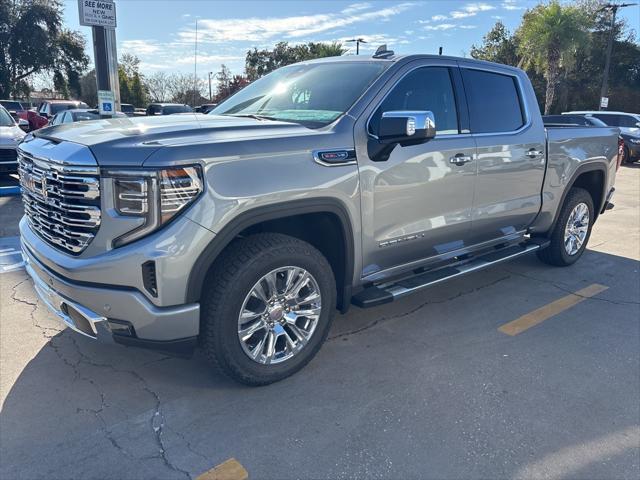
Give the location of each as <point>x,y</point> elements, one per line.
<point>61,202</point>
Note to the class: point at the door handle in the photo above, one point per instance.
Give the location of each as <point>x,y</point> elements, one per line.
<point>533,153</point>
<point>460,159</point>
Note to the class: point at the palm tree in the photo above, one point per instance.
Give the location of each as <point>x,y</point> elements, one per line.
<point>548,38</point>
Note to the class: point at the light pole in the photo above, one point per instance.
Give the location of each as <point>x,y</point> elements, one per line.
<point>605,78</point>
<point>358,42</point>
<point>210,97</point>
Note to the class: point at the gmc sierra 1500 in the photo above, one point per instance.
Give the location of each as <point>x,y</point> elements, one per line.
<point>325,183</point>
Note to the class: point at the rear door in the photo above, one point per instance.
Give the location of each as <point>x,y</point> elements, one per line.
<point>509,135</point>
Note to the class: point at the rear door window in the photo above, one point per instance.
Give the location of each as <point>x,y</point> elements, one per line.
<point>494,101</point>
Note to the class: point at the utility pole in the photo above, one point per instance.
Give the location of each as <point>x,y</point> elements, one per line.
<point>210,96</point>
<point>101,17</point>
<point>195,68</point>
<point>604,100</point>
<point>358,42</point>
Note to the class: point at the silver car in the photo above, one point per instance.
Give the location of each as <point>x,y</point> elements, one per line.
<point>10,135</point>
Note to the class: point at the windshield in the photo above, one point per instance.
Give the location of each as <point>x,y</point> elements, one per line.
<point>616,120</point>
<point>171,109</point>
<point>314,95</point>
<point>17,106</point>
<point>82,116</point>
<point>59,107</point>
<point>6,120</point>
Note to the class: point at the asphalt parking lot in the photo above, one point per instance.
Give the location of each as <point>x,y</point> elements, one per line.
<point>434,386</point>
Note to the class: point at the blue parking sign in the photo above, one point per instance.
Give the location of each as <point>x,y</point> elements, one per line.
<point>106,106</point>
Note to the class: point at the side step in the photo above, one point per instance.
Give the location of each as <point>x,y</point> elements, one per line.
<point>388,292</point>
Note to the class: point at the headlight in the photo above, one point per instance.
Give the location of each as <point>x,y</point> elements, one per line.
<point>635,141</point>
<point>155,196</point>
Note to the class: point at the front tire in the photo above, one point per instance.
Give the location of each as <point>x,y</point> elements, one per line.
<point>571,233</point>
<point>267,308</point>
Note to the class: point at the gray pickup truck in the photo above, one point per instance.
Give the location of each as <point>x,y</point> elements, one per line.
<point>327,183</point>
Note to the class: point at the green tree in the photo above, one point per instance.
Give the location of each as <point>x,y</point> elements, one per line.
<point>261,62</point>
<point>498,45</point>
<point>123,80</point>
<point>138,92</point>
<point>548,40</point>
<point>32,40</point>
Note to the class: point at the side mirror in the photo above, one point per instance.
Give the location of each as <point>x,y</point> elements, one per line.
<point>638,124</point>
<point>401,128</point>
<point>406,127</point>
<point>23,124</point>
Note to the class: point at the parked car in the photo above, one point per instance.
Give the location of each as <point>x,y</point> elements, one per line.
<point>15,108</point>
<point>79,115</point>
<point>579,120</point>
<point>49,108</point>
<point>206,108</point>
<point>630,148</point>
<point>10,135</point>
<point>326,183</point>
<point>167,108</point>
<point>36,120</point>
<point>628,123</point>
<point>127,109</point>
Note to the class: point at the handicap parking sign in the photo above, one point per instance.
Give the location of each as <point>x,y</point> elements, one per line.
<point>106,102</point>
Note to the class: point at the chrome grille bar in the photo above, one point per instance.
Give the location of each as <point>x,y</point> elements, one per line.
<point>62,202</point>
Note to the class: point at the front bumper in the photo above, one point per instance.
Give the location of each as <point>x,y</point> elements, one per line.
<point>121,314</point>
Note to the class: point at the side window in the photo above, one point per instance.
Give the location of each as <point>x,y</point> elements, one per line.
<point>494,102</point>
<point>66,117</point>
<point>427,88</point>
<point>627,121</point>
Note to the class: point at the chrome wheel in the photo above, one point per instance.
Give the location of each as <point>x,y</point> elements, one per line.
<point>576,229</point>
<point>279,315</point>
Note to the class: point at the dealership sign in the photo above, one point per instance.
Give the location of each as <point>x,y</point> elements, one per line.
<point>97,13</point>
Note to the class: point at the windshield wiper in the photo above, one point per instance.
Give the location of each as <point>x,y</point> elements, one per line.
<point>252,115</point>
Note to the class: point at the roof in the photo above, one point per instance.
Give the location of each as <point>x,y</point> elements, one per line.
<point>405,58</point>
<point>606,112</point>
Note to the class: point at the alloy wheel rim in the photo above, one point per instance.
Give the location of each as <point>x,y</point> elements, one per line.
<point>576,229</point>
<point>279,315</point>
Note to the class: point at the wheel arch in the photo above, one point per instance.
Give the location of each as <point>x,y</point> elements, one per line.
<point>285,218</point>
<point>593,178</point>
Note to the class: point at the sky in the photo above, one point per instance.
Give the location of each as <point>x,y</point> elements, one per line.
<point>162,32</point>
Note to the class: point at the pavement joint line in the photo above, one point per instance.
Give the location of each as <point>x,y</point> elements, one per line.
<point>230,469</point>
<point>549,310</point>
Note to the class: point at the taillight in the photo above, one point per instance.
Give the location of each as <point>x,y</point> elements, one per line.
<point>620,152</point>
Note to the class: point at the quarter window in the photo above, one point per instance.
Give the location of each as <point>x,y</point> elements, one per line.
<point>426,88</point>
<point>494,102</point>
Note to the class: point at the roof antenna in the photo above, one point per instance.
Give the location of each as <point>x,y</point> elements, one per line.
<point>382,52</point>
<point>440,51</point>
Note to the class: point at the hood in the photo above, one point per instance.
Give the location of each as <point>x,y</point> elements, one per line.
<point>129,141</point>
<point>10,136</point>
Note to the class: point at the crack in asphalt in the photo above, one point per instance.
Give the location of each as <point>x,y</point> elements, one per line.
<point>414,310</point>
<point>566,290</point>
<point>157,421</point>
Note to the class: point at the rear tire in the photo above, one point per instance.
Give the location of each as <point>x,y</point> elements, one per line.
<point>252,288</point>
<point>567,240</point>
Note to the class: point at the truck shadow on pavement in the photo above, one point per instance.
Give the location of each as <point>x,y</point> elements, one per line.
<point>425,383</point>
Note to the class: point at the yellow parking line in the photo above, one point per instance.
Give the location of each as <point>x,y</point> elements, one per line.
<point>532,319</point>
<point>228,470</point>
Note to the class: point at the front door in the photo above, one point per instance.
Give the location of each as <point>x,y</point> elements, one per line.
<point>416,204</point>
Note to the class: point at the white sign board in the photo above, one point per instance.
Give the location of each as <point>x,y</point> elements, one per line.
<point>106,102</point>
<point>97,13</point>
<point>604,102</point>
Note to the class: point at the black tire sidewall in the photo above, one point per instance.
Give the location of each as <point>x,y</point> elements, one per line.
<point>228,348</point>
<point>577,196</point>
